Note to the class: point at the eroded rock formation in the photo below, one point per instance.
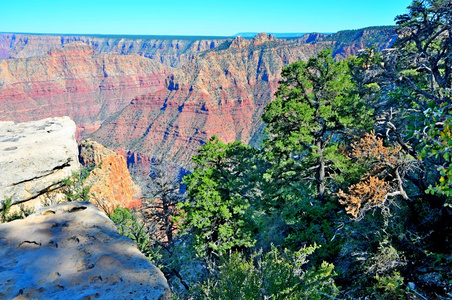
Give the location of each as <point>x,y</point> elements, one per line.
<point>110,181</point>
<point>73,251</point>
<point>35,157</point>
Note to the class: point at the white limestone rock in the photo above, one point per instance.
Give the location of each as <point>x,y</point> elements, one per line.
<point>73,251</point>
<point>35,157</point>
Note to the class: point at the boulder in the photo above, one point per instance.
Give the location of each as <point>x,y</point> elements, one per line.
<point>73,251</point>
<point>35,157</point>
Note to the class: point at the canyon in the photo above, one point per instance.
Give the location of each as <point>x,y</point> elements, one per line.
<point>158,97</point>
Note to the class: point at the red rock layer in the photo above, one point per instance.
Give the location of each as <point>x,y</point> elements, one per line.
<point>111,184</point>
<point>74,81</point>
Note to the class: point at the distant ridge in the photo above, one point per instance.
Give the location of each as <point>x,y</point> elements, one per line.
<point>248,35</point>
<point>131,36</point>
<point>289,35</point>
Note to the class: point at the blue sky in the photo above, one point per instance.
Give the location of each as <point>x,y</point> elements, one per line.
<point>198,17</point>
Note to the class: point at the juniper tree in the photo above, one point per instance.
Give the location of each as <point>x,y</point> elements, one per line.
<point>316,106</point>
<point>217,202</point>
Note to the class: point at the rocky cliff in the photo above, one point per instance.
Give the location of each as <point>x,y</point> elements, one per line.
<point>35,157</point>
<point>349,42</point>
<point>73,251</point>
<point>110,181</point>
<point>77,82</point>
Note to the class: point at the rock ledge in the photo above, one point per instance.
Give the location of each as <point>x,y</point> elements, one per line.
<point>35,157</point>
<point>73,251</point>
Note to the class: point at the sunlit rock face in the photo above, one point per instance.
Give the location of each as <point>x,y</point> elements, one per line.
<point>109,180</point>
<point>35,157</point>
<point>221,93</point>
<point>170,51</point>
<point>73,251</point>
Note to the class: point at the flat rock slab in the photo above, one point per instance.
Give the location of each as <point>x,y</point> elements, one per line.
<point>74,251</point>
<point>35,157</point>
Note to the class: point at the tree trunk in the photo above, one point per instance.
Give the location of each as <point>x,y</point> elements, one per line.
<point>320,172</point>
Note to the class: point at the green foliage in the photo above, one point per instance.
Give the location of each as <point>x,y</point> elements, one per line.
<point>385,260</point>
<point>316,111</point>
<point>6,216</point>
<point>74,187</point>
<point>283,194</point>
<point>273,275</point>
<point>6,207</point>
<point>217,204</point>
<point>316,105</point>
<point>129,226</point>
<point>390,286</point>
<point>437,143</point>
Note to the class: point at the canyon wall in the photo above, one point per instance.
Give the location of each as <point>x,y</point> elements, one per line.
<point>74,81</point>
<point>151,97</point>
<point>109,180</point>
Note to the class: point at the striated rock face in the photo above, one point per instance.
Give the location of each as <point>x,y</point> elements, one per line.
<point>73,251</point>
<point>262,38</point>
<point>222,93</point>
<point>239,42</point>
<point>110,181</point>
<point>349,42</point>
<point>35,157</point>
<point>77,82</point>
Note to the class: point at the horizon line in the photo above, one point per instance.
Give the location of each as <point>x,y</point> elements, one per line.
<point>192,36</point>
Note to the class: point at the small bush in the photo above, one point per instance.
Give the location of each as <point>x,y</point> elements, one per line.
<point>129,226</point>
<point>390,286</point>
<point>6,216</point>
<point>74,188</point>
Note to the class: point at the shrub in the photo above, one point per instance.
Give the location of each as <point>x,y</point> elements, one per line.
<point>129,226</point>
<point>274,275</point>
<point>74,188</point>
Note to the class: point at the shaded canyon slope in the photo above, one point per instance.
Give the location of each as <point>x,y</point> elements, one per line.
<point>221,92</point>
<point>110,182</point>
